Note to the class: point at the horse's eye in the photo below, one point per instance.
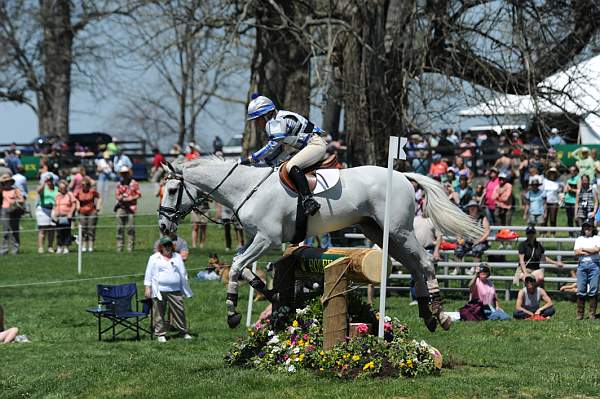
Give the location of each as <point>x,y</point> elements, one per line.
<point>172,191</point>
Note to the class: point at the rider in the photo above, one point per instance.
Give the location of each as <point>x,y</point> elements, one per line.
<point>290,133</point>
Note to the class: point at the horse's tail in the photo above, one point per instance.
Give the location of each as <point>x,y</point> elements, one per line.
<point>446,216</point>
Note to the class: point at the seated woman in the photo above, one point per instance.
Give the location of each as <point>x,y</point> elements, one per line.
<point>482,288</point>
<point>213,270</point>
<point>166,282</point>
<point>528,301</point>
<point>6,336</point>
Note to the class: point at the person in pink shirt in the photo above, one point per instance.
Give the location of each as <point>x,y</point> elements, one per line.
<point>65,205</point>
<point>77,175</point>
<point>502,197</point>
<point>489,202</point>
<point>483,289</point>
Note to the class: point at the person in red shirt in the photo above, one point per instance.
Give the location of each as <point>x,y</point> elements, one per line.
<point>157,160</point>
<point>192,152</point>
<point>438,167</point>
<point>65,205</point>
<point>127,194</point>
<point>89,203</point>
<point>502,195</point>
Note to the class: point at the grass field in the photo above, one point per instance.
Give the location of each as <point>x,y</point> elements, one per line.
<point>557,358</point>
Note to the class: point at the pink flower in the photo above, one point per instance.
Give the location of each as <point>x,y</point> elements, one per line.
<point>306,337</point>
<point>258,325</point>
<point>362,328</point>
<point>387,326</point>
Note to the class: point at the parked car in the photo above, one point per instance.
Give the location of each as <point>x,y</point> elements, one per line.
<point>233,148</point>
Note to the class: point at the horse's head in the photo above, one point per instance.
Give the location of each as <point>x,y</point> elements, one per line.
<point>177,200</point>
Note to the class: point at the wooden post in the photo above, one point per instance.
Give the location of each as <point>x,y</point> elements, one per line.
<point>335,306</point>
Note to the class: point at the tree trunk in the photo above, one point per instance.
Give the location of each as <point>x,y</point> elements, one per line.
<point>280,67</point>
<point>57,47</point>
<point>332,103</point>
<point>374,92</point>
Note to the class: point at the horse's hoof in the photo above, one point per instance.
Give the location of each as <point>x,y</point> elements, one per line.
<point>233,320</point>
<point>431,324</point>
<point>445,321</point>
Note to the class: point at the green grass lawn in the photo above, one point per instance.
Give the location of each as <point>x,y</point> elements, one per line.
<point>556,358</point>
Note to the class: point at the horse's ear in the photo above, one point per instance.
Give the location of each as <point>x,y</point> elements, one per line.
<point>167,165</point>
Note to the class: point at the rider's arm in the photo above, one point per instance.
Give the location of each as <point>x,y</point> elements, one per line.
<point>270,148</point>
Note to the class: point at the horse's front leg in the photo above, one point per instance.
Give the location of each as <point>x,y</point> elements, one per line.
<point>239,269</point>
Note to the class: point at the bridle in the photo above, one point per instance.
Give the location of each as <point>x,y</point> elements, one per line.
<point>174,214</point>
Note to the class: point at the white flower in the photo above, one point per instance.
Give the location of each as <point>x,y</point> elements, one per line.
<point>274,340</point>
<point>387,319</point>
<point>291,369</point>
<point>423,344</point>
<point>257,362</point>
<point>271,333</point>
<point>302,312</point>
<point>288,361</point>
<point>296,350</point>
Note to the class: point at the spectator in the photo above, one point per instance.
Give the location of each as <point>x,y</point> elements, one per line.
<point>191,151</point>
<point>534,173</point>
<point>552,188</point>
<point>434,139</point>
<point>121,161</point>
<point>6,335</point>
<point>523,171</point>
<point>452,179</point>
<point>465,192</point>
<point>65,206</point>
<point>503,198</point>
<point>127,194</point>
<point>460,169</point>
<point>531,254</point>
<point>438,166</point>
<point>21,181</point>
<point>46,197</point>
<point>13,207</point>
<point>105,174</point>
<point>587,247</point>
<point>584,162</point>
<point>445,147</point>
<point>199,222</point>
<point>467,147</point>
<point>571,195</point>
<point>516,142</point>
<point>113,148</point>
<point>228,219</point>
<point>452,137</point>
<point>157,161</point>
<point>490,186</point>
<point>482,289</point>
<point>534,207</point>
<point>536,161</point>
<point>217,144</point>
<point>504,163</point>
<point>179,245</point>
<point>175,150</point>
<point>478,247</point>
<point>77,175</point>
<point>89,203</point>
<point>554,138</point>
<point>13,161</point>
<point>213,270</point>
<point>586,200</point>
<point>552,160</point>
<point>479,196</point>
<point>420,164</point>
<point>529,301</point>
<point>3,169</point>
<point>166,282</point>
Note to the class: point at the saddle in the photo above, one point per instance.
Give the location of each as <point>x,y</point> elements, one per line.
<point>324,181</point>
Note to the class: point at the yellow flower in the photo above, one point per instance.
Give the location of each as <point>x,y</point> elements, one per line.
<point>295,323</point>
<point>301,357</point>
<point>369,365</point>
<point>288,343</point>
<point>322,353</point>
<point>301,343</point>
<point>346,356</point>
<point>355,358</point>
<point>409,363</point>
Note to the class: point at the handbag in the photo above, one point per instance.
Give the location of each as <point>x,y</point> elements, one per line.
<point>472,311</point>
<point>16,208</point>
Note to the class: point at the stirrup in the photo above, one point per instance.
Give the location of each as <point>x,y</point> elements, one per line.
<point>310,206</point>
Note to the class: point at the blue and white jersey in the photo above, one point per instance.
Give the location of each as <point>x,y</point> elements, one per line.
<point>286,131</point>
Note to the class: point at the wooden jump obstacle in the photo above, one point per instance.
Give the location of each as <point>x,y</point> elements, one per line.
<point>337,267</point>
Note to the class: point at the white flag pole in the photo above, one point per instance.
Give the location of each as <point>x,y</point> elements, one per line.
<point>250,298</point>
<point>79,243</point>
<point>395,151</point>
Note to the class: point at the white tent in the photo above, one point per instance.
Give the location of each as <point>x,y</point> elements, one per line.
<point>575,90</point>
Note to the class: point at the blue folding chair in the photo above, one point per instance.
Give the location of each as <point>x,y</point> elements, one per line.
<point>115,305</point>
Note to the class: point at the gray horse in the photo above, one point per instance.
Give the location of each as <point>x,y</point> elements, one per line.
<point>358,198</point>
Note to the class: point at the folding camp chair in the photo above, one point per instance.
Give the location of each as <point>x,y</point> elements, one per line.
<point>114,304</point>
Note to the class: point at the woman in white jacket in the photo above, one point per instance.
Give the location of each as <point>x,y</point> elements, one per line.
<point>166,282</point>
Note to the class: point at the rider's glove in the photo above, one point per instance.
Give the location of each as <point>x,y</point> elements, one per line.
<point>244,161</point>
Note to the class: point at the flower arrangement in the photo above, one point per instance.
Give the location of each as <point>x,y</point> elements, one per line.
<point>299,346</point>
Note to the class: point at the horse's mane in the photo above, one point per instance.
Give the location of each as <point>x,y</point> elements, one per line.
<point>208,160</point>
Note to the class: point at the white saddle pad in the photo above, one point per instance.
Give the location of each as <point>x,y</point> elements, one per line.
<point>326,179</point>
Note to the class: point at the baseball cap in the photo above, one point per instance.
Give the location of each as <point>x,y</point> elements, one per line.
<point>530,230</point>
<point>554,130</point>
<point>165,240</point>
<point>472,203</point>
<point>484,268</point>
<point>530,278</point>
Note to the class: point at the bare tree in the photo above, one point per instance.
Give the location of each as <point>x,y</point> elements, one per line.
<point>184,57</point>
<point>39,43</point>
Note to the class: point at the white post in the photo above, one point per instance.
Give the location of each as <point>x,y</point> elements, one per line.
<point>79,242</point>
<point>250,298</point>
<point>395,151</point>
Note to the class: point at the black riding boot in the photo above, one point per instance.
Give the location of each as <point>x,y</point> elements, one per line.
<point>308,203</point>
<point>233,317</point>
